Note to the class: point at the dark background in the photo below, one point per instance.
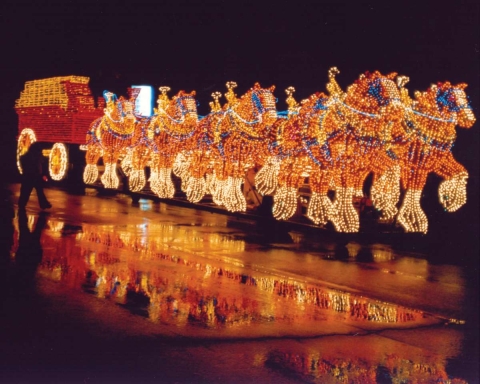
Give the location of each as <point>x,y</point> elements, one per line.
<point>200,45</point>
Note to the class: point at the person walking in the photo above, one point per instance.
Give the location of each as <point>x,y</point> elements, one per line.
<point>33,176</point>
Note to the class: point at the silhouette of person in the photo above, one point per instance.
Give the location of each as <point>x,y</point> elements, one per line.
<point>6,232</point>
<point>29,252</point>
<point>33,176</point>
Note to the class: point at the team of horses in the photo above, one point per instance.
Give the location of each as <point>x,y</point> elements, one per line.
<point>335,139</point>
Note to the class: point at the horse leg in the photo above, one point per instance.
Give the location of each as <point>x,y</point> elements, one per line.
<point>218,182</point>
<point>136,177</point>
<point>193,174</point>
<point>347,218</point>
<point>166,183</point>
<point>285,200</point>
<point>126,163</point>
<point>385,190</point>
<point>266,180</point>
<point>320,208</point>
<point>234,198</point>
<point>452,192</point>
<point>411,216</point>
<point>359,181</point>
<point>180,168</point>
<point>90,173</point>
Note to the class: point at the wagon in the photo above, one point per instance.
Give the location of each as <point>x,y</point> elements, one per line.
<point>57,112</point>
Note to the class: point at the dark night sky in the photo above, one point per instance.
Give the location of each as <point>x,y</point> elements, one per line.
<point>199,45</point>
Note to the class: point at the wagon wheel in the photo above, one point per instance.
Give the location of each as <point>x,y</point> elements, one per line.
<point>25,140</point>
<point>58,161</point>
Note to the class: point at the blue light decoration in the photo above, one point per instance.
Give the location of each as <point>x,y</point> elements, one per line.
<point>144,101</point>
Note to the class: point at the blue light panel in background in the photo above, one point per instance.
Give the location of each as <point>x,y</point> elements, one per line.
<point>144,102</point>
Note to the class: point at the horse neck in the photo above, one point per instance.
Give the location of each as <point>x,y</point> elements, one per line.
<point>356,99</point>
<point>310,120</point>
<point>431,122</point>
<point>245,109</point>
<point>113,114</point>
<point>129,125</point>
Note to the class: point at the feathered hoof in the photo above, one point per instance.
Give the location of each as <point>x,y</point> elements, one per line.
<point>195,189</point>
<point>320,209</point>
<point>411,216</point>
<point>137,180</point>
<point>90,174</point>
<point>453,193</point>
<point>234,199</point>
<point>285,203</point>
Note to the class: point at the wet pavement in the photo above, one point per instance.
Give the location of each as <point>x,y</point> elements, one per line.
<point>101,289</point>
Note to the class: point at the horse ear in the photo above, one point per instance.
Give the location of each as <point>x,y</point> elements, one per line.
<point>256,86</point>
<point>461,86</point>
<point>272,88</point>
<point>193,93</point>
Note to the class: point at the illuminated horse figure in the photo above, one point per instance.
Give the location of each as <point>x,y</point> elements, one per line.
<point>266,179</point>
<point>195,164</point>
<point>373,144</point>
<point>232,137</point>
<point>298,147</point>
<point>137,156</point>
<point>240,133</point>
<point>109,137</point>
<point>431,120</point>
<point>337,141</point>
<point>168,133</point>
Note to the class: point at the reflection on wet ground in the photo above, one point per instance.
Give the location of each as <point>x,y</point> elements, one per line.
<point>157,273</point>
<point>207,299</point>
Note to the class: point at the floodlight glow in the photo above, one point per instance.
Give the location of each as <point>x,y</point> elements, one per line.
<point>144,101</point>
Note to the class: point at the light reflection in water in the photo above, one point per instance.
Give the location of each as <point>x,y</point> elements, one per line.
<point>157,270</point>
<point>343,363</point>
<point>138,269</point>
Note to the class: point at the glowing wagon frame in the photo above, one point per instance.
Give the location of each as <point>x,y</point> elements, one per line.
<point>56,112</point>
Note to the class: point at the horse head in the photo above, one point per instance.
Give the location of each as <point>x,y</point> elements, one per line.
<point>185,105</point>
<point>126,107</point>
<point>257,105</point>
<point>112,109</point>
<point>452,100</point>
<point>375,93</point>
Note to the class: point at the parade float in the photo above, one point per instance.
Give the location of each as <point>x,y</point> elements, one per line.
<point>313,159</point>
